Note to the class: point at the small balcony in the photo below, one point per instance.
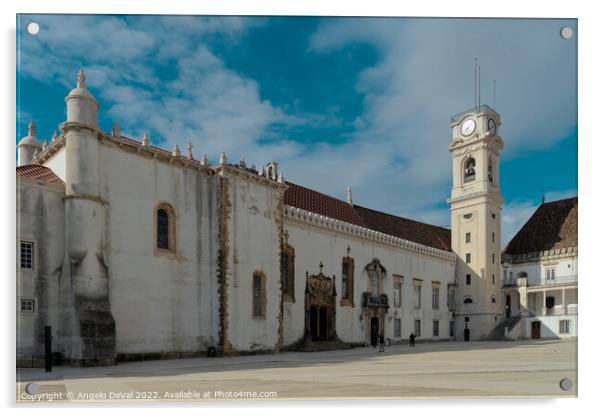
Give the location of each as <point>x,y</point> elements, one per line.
<point>380,301</point>
<point>558,310</point>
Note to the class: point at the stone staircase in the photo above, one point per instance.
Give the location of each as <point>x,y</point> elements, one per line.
<point>312,346</point>
<point>499,332</point>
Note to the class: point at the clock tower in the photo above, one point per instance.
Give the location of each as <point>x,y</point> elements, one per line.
<point>476,221</point>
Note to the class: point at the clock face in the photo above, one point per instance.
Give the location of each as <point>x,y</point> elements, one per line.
<point>491,126</point>
<point>468,127</point>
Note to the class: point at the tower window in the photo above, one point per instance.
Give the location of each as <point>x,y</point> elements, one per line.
<point>493,279</point>
<point>259,298</point>
<point>468,279</point>
<point>493,258</point>
<point>490,171</point>
<point>469,170</point>
<point>493,237</point>
<point>467,237</point>
<point>467,258</point>
<point>26,255</point>
<point>467,301</point>
<point>165,227</point>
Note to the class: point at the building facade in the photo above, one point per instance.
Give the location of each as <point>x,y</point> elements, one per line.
<point>130,251</point>
<point>540,274</point>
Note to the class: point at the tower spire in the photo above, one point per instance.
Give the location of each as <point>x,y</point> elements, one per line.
<point>31,129</point>
<point>81,79</point>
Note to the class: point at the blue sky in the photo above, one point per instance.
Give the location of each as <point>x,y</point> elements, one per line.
<point>360,102</point>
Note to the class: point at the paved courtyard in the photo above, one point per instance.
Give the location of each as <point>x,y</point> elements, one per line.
<point>431,370</point>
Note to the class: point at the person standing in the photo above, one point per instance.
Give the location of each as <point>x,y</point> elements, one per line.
<point>382,343</point>
<point>412,340</point>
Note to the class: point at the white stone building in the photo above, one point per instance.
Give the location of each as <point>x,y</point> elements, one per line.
<point>129,251</point>
<point>540,274</point>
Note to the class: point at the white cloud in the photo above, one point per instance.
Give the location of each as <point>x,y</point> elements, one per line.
<point>397,157</point>
<point>196,98</point>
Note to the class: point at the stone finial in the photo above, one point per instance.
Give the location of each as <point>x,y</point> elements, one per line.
<point>349,196</point>
<point>116,131</point>
<point>242,163</point>
<point>146,140</point>
<point>81,79</point>
<point>45,145</point>
<point>223,159</point>
<point>55,136</point>
<point>176,151</point>
<point>189,147</point>
<point>280,178</point>
<point>31,129</point>
<point>321,266</point>
<point>204,160</point>
<point>285,235</point>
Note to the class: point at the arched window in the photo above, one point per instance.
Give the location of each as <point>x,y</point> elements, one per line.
<point>165,227</point>
<point>469,169</point>
<point>467,301</point>
<point>493,299</point>
<point>490,170</point>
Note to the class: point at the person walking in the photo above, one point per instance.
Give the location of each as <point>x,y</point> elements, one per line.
<point>382,343</point>
<point>412,340</point>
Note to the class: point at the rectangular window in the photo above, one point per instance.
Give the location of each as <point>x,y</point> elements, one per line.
<point>493,258</point>
<point>26,255</point>
<point>493,279</point>
<point>467,258</point>
<point>397,293</point>
<point>417,327</point>
<point>417,295</point>
<point>564,327</point>
<point>505,275</point>
<point>397,328</point>
<point>550,274</point>
<point>468,278</point>
<point>27,305</point>
<point>435,328</point>
<point>467,237</point>
<point>493,237</point>
<point>452,329</point>
<point>435,297</point>
<point>258,296</point>
<point>451,298</point>
<point>347,270</point>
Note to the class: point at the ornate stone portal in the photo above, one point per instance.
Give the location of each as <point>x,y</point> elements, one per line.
<point>320,307</point>
<point>375,303</point>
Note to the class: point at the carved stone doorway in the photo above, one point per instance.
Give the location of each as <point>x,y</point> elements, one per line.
<point>320,308</point>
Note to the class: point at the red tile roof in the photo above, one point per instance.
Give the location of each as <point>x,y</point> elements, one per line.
<point>40,174</point>
<point>552,226</point>
<point>418,232</point>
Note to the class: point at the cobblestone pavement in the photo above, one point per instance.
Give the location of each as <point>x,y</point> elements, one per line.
<point>431,370</point>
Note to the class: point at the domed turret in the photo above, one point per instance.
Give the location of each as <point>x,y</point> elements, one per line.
<point>82,107</point>
<point>28,146</point>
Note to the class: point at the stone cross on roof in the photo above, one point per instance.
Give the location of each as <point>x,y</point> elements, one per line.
<point>31,129</point>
